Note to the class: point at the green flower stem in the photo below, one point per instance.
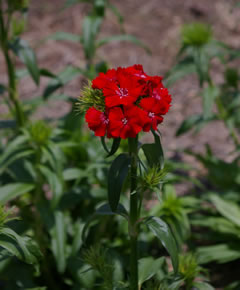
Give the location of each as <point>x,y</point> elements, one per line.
<point>133,231</point>
<point>13,90</point>
<point>13,96</point>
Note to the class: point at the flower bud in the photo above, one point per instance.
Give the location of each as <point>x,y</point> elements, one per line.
<point>196,34</point>
<point>40,133</point>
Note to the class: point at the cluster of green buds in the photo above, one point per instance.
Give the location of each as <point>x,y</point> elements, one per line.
<point>39,133</point>
<point>90,98</point>
<point>153,177</point>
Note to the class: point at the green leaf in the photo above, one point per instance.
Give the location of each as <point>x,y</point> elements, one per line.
<point>46,73</point>
<point>11,247</point>
<point>73,174</point>
<point>55,182</point>
<point>189,123</point>
<point>27,56</point>
<point>69,3</point>
<point>202,286</point>
<point>209,95</point>
<point>59,236</point>
<point>21,73</point>
<point>91,27</point>
<point>14,157</point>
<point>105,209</point>
<point>222,253</point>
<point>65,36</point>
<point>180,70</point>
<point>164,234</point>
<point>115,145</point>
<point>124,37</point>
<point>116,12</point>
<point>116,177</point>
<point>201,60</point>
<point>68,74</point>
<point>228,209</point>
<point>154,152</point>
<point>147,268</point>
<point>77,237</point>
<point>11,191</point>
<point>13,146</point>
<point>30,251</point>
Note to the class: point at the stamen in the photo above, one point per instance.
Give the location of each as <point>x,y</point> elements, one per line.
<point>122,92</point>
<point>124,120</point>
<point>151,115</point>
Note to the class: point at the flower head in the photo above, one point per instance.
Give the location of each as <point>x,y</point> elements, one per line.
<point>123,102</point>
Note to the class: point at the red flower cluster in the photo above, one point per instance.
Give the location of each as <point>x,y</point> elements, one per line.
<point>134,101</point>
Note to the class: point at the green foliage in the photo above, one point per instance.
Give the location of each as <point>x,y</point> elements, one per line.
<point>116,177</point>
<point>163,233</point>
<point>99,261</point>
<point>189,269</point>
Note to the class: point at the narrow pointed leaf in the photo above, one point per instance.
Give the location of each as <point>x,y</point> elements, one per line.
<point>147,268</point>
<point>11,191</point>
<point>209,95</point>
<point>115,145</point>
<point>59,237</point>
<point>116,177</point>
<point>164,234</point>
<point>154,152</point>
<point>65,36</point>
<point>27,56</point>
<point>189,123</point>
<point>104,209</point>
<point>124,37</point>
<point>228,209</point>
<point>68,74</point>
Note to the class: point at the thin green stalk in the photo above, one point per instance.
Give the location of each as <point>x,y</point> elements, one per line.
<point>11,73</point>
<point>13,89</point>
<point>133,231</point>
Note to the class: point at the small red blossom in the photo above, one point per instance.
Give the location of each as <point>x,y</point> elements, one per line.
<point>137,71</point>
<point>103,79</point>
<point>126,92</point>
<point>97,121</point>
<point>125,123</point>
<point>155,110</point>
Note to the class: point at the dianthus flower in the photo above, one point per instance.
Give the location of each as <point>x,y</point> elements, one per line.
<point>125,101</point>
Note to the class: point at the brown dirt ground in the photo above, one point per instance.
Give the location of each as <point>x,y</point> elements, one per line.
<point>155,22</point>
